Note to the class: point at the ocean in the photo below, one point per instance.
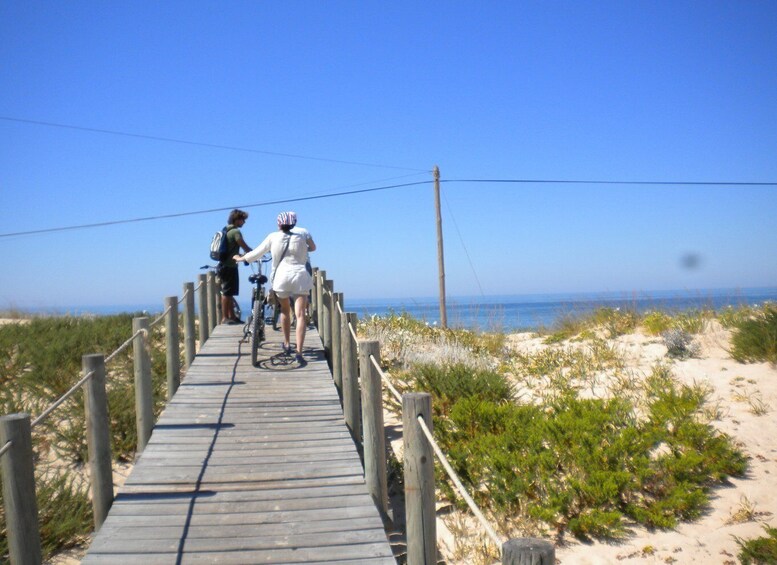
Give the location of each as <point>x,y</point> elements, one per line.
<point>531,312</point>
<point>512,312</point>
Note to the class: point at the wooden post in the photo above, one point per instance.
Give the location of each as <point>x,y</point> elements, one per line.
<point>189,339</point>
<point>327,320</point>
<point>203,305</point>
<point>320,302</point>
<point>337,352</point>
<point>351,400</point>
<point>372,426</point>
<point>420,516</point>
<point>98,436</point>
<point>144,399</point>
<point>314,298</point>
<point>172,346</point>
<point>212,314</point>
<point>528,551</point>
<point>440,254</point>
<point>21,506</point>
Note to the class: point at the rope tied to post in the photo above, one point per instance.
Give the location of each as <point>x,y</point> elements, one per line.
<point>5,448</point>
<point>61,399</point>
<point>353,333</point>
<point>459,486</point>
<point>161,317</point>
<point>385,380</point>
<point>57,403</point>
<point>444,461</point>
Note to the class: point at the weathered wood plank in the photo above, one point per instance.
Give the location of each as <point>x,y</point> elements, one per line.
<point>246,465</point>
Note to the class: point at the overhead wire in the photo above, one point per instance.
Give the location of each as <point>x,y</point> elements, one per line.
<point>626,182</point>
<point>204,144</point>
<point>211,210</point>
<point>463,245</point>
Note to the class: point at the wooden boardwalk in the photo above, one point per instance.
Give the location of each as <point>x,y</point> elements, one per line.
<point>247,465</point>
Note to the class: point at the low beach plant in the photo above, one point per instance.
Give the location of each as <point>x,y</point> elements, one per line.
<point>759,551</point>
<point>679,344</point>
<point>584,466</point>
<point>405,340</point>
<point>754,339</point>
<point>656,323</point>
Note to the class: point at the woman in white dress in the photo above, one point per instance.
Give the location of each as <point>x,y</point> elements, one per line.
<point>289,247</point>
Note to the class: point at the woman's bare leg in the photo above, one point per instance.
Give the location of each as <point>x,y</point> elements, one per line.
<point>285,321</point>
<point>300,305</point>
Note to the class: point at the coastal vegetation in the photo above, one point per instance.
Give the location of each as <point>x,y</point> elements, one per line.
<point>566,439</point>
<point>40,360</point>
<point>560,440</point>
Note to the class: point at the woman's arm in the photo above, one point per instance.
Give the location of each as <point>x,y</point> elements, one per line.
<point>311,244</point>
<point>256,253</point>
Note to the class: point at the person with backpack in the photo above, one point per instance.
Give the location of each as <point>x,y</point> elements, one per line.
<point>291,279</point>
<point>227,269</point>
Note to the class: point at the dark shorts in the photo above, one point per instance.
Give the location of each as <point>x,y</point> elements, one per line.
<point>230,282</point>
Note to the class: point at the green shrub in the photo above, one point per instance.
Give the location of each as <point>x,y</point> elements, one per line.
<point>759,551</point>
<point>656,323</point>
<point>584,465</point>
<point>733,316</point>
<point>447,385</point>
<point>755,339</point>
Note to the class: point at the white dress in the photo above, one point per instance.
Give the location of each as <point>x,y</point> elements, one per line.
<point>290,277</point>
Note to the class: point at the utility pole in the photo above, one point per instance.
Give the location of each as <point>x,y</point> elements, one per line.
<point>440,254</point>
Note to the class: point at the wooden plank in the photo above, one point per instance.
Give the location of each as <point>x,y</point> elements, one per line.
<point>246,465</point>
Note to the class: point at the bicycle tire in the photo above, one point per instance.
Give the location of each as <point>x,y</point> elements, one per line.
<point>257,334</point>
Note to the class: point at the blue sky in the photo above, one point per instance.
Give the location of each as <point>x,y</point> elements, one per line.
<point>338,96</point>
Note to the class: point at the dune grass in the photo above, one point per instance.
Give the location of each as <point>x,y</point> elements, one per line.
<point>39,361</point>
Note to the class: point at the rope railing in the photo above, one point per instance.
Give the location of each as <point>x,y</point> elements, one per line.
<point>385,380</point>
<point>443,460</point>
<point>125,345</point>
<point>57,403</point>
<point>353,333</point>
<point>356,371</point>
<point>497,540</point>
<point>19,457</point>
<point>161,317</point>
<point>61,400</point>
<point>459,486</point>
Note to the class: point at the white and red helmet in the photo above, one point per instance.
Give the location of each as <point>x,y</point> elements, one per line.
<point>287,219</point>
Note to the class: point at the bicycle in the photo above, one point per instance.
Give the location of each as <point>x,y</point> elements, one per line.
<point>254,326</point>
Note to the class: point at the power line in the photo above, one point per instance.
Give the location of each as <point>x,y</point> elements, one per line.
<point>627,182</point>
<point>210,145</point>
<point>182,214</point>
<point>346,193</point>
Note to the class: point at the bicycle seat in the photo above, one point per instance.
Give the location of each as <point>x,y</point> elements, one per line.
<point>253,279</point>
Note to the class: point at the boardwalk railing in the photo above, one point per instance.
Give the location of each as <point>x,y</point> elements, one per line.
<point>356,361</point>
<point>16,453</point>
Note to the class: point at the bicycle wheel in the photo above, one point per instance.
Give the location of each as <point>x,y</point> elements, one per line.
<point>257,333</point>
<point>236,308</point>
